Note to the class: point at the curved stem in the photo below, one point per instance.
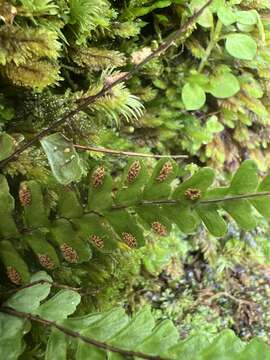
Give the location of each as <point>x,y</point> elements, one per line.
<point>236,197</point>
<point>126,153</point>
<point>200,202</point>
<point>77,335</point>
<point>212,43</point>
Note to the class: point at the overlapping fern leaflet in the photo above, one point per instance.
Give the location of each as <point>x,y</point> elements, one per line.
<point>123,216</point>
<point>112,334</point>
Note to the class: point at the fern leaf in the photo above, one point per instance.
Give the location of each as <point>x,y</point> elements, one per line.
<point>111,334</point>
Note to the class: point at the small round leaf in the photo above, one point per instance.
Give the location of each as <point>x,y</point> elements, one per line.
<point>226,15</point>
<point>241,46</point>
<point>224,86</point>
<point>193,96</point>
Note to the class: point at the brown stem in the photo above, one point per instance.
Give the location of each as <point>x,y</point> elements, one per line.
<point>126,153</point>
<point>235,197</point>
<point>201,202</point>
<point>77,335</point>
<point>90,99</point>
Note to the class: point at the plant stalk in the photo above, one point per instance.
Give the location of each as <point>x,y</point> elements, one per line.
<point>77,335</point>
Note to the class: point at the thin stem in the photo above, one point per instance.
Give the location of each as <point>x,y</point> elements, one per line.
<point>126,153</point>
<point>235,197</point>
<point>91,99</point>
<point>201,202</point>
<point>77,335</point>
<point>212,43</point>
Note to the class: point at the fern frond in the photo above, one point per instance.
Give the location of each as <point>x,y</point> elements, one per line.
<point>118,217</point>
<point>112,333</point>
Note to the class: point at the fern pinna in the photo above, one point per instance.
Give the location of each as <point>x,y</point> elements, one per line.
<point>123,216</point>
<point>108,335</point>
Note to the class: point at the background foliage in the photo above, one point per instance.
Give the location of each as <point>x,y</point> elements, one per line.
<point>206,97</point>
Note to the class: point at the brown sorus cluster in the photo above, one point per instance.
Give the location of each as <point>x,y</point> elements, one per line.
<point>133,171</point>
<point>46,261</point>
<point>25,196</point>
<point>159,229</point>
<point>13,275</point>
<point>165,171</point>
<point>193,194</point>
<point>129,239</point>
<point>98,176</point>
<point>97,241</point>
<point>70,255</point>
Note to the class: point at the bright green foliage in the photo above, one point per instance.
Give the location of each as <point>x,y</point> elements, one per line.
<point>241,46</point>
<point>143,203</point>
<point>114,327</point>
<point>207,96</point>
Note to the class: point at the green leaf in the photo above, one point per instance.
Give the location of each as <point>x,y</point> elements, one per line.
<point>69,205</point>
<point>201,181</point>
<point>96,230</point>
<point>241,211</point>
<point>65,163</point>
<point>135,331</point>
<point>126,227</point>
<point>60,306</point>
<point>214,223</point>
<point>131,188</point>
<point>225,347</point>
<point>155,217</point>
<point>263,204</point>
<point>224,85</point>
<point>56,346</point>
<point>206,19</point>
<point>226,15</point>
<point>256,349</point>
<point>193,96</point>
<point>183,216</point>
<point>7,146</point>
<point>162,337</point>
<point>249,17</point>
<point>241,46</point>
<point>34,208</point>
<point>190,348</point>
<point>82,322</point>
<point>29,299</point>
<point>159,184</point>
<point>100,189</point>
<point>11,333</point>
<point>213,125</point>
<point>245,180</point>
<point>102,329</point>
<point>73,248</point>
<point>44,251</point>
<point>13,262</point>
<point>7,205</point>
